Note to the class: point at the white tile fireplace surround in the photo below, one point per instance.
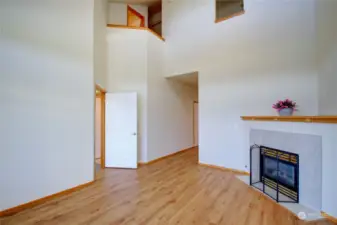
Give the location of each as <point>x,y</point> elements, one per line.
<point>316,145</point>
<point>309,149</point>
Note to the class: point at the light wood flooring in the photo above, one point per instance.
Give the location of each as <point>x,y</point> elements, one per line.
<point>175,190</point>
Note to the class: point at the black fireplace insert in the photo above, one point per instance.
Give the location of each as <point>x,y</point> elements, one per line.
<point>275,173</point>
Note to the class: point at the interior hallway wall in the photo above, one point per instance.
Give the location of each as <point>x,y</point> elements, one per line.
<point>47,98</point>
<point>100,43</point>
<point>170,107</point>
<point>165,107</point>
<point>98,125</point>
<point>170,116</point>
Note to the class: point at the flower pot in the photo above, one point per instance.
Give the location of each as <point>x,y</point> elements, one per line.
<point>286,112</point>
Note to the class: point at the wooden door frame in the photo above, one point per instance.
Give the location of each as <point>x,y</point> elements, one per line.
<point>101,95</point>
<point>194,138</point>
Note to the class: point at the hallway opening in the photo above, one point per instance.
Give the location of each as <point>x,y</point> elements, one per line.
<point>99,129</point>
<point>186,87</point>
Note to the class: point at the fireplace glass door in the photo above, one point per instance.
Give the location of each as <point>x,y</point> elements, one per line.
<point>285,174</point>
<point>275,172</point>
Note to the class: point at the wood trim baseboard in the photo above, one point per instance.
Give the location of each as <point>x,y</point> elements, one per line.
<point>328,217</point>
<point>19,208</point>
<point>240,172</point>
<point>301,119</point>
<point>164,157</point>
<point>136,28</point>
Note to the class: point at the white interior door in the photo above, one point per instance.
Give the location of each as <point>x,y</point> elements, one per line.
<point>121,130</point>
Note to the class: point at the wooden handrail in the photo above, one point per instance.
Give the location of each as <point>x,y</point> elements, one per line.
<point>136,28</point>
<point>300,119</point>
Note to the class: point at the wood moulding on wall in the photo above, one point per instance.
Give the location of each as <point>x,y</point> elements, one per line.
<point>136,28</point>
<point>239,172</point>
<point>164,157</point>
<point>301,119</point>
<point>17,209</point>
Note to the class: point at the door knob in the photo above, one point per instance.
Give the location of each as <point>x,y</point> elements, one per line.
<point>134,134</point>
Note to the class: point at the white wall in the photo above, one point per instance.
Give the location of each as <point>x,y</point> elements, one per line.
<point>100,43</point>
<point>127,72</point>
<point>98,124</point>
<point>245,64</point>
<point>327,56</point>
<point>47,98</point>
<point>170,107</point>
<point>117,13</point>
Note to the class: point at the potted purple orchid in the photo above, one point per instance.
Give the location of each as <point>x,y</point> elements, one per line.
<point>285,108</point>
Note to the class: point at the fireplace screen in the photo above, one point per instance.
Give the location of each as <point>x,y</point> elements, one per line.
<point>275,172</point>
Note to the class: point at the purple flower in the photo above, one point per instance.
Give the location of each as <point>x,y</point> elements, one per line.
<point>286,104</point>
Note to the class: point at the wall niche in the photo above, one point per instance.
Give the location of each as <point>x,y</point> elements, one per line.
<point>226,9</point>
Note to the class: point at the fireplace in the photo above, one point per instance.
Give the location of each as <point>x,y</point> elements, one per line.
<point>275,173</point>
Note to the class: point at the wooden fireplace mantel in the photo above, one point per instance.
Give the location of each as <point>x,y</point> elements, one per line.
<point>300,119</point>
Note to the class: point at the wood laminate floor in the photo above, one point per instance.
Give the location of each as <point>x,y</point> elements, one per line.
<point>175,190</point>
